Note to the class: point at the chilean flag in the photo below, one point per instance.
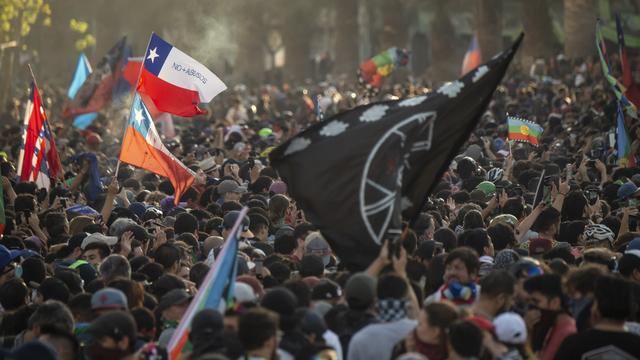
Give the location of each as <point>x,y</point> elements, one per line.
<point>175,82</point>
<point>142,147</point>
<point>38,159</point>
<point>473,57</point>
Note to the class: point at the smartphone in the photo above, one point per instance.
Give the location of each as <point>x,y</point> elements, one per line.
<point>592,196</point>
<point>64,202</point>
<point>258,266</point>
<point>394,248</point>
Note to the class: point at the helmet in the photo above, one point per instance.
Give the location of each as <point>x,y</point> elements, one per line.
<point>495,174</point>
<point>598,233</point>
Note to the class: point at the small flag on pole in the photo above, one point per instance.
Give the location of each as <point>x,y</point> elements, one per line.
<point>142,147</point>
<point>216,291</point>
<point>618,88</point>
<point>625,157</point>
<point>524,130</point>
<point>38,159</point>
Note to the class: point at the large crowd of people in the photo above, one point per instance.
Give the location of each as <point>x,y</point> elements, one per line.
<point>104,266</point>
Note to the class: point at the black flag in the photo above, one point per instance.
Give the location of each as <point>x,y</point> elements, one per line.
<point>354,173</point>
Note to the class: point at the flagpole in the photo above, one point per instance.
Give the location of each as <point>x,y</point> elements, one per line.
<point>46,124</point>
<point>135,89</point>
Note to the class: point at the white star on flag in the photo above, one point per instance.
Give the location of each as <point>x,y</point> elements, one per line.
<point>138,117</point>
<point>153,54</point>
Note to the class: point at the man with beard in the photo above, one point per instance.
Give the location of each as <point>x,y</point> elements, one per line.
<point>496,295</point>
<point>547,320</point>
<point>608,338</point>
<point>461,271</point>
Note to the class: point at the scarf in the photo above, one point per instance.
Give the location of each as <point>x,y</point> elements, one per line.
<point>431,351</point>
<point>458,293</point>
<point>390,310</point>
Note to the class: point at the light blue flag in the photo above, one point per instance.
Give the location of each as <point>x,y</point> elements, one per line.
<point>83,69</point>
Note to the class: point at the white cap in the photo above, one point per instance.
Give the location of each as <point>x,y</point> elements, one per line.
<point>244,293</point>
<point>510,328</point>
<point>98,237</point>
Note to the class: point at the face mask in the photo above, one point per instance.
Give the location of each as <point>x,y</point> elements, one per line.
<point>542,327</point>
<point>98,352</point>
<point>576,306</point>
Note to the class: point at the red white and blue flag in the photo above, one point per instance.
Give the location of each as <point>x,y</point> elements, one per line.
<point>472,58</point>
<point>142,147</point>
<point>104,84</point>
<point>38,159</point>
<point>175,82</point>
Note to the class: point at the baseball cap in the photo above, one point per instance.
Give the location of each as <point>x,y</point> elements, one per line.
<point>98,237</point>
<point>230,186</point>
<point>360,291</point>
<point>278,187</point>
<point>109,298</point>
<point>206,322</point>
<point>78,223</point>
<point>487,187</point>
<point>172,298</point>
<point>510,328</point>
<point>326,290</point>
<point>31,350</point>
<point>244,293</point>
<point>633,244</point>
<point>7,256</point>
<point>230,219</point>
<point>138,208</point>
<point>115,324</point>
<point>539,246</point>
<point>316,244</point>
<point>627,190</point>
<point>474,151</point>
<point>505,219</point>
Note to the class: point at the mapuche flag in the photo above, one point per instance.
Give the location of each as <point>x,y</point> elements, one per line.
<point>216,292</point>
<point>175,82</point>
<point>102,84</point>
<point>371,72</point>
<point>142,147</point>
<point>524,131</point>
<point>355,174</point>
<point>38,159</point>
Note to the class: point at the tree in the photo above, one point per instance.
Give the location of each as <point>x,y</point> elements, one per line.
<point>346,49</point>
<point>395,30</point>
<point>579,28</point>
<point>487,15</point>
<point>442,44</point>
<point>540,40</point>
<point>296,31</point>
<point>251,36</point>
<point>16,20</point>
